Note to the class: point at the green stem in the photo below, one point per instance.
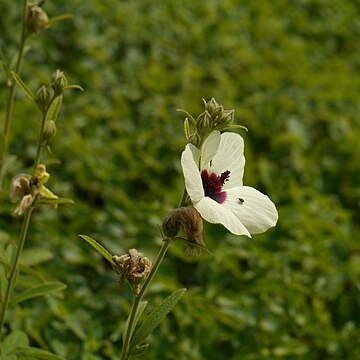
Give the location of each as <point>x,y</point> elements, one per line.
<point>11,98</point>
<point>14,267</point>
<point>138,298</point>
<point>41,135</point>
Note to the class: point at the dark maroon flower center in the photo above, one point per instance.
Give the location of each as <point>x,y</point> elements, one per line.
<point>213,184</point>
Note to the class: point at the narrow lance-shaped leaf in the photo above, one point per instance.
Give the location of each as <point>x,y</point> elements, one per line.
<point>39,290</point>
<point>57,201</point>
<point>156,316</point>
<point>75,87</point>
<point>22,85</point>
<point>36,256</point>
<point>140,310</point>
<point>27,352</point>
<point>99,248</point>
<point>60,18</point>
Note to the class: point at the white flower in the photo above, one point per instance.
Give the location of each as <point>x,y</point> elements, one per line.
<point>213,180</point>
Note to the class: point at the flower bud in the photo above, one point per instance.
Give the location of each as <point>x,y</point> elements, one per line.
<point>189,219</point>
<point>58,82</point>
<point>50,130</point>
<point>20,186</point>
<point>204,124</point>
<point>134,266</point>
<point>211,105</point>
<point>36,19</point>
<point>221,118</point>
<point>40,176</point>
<point>43,97</point>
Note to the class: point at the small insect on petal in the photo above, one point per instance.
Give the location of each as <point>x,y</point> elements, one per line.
<point>241,201</point>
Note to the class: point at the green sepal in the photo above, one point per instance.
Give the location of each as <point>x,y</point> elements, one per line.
<point>99,248</point>
<point>22,85</point>
<point>187,128</point>
<point>155,317</point>
<point>54,109</point>
<point>191,118</point>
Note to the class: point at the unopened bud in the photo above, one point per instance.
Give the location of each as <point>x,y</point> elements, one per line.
<point>134,265</point>
<point>211,105</point>
<point>43,97</point>
<point>189,219</point>
<point>204,124</point>
<point>59,82</point>
<point>50,130</point>
<point>228,117</point>
<point>40,175</point>
<point>36,19</point>
<point>20,186</point>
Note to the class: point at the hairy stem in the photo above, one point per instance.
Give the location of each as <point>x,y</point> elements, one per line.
<point>137,299</point>
<point>11,98</point>
<point>14,267</point>
<point>41,135</point>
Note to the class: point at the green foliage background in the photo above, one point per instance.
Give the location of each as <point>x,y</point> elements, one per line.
<point>290,69</point>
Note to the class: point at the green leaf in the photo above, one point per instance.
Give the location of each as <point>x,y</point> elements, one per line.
<point>139,351</point>
<point>58,201</point>
<point>60,18</point>
<point>13,340</point>
<point>106,254</point>
<point>31,257</point>
<point>54,108</point>
<point>3,257</point>
<point>22,85</point>
<point>156,316</point>
<point>27,352</point>
<point>76,87</point>
<point>39,290</point>
<point>140,310</point>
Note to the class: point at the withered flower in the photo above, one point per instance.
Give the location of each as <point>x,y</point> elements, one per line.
<point>134,266</point>
<point>188,219</point>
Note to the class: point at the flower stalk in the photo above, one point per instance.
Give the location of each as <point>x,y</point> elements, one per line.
<point>137,298</point>
<point>11,98</point>
<point>26,221</point>
<point>14,266</point>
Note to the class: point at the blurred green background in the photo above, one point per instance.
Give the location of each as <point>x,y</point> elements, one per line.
<point>290,69</point>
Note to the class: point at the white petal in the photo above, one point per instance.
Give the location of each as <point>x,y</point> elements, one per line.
<point>193,182</point>
<point>257,212</point>
<point>209,148</point>
<point>215,213</point>
<point>230,156</point>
